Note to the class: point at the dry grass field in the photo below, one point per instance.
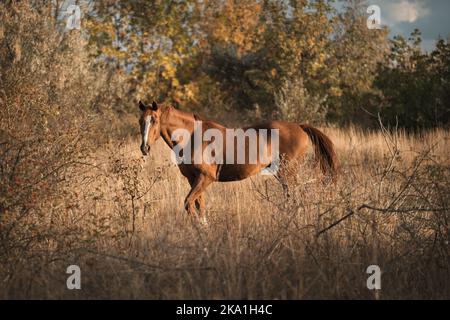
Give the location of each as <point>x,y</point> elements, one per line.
<point>121,219</point>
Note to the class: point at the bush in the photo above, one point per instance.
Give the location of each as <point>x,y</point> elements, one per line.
<point>295,103</point>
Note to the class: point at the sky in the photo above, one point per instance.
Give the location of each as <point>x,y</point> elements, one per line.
<point>432,17</point>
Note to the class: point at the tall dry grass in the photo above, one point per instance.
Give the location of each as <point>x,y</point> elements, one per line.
<point>134,240</point>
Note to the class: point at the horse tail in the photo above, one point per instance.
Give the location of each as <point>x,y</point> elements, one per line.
<point>323,149</point>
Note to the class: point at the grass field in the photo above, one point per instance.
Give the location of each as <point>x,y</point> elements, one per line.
<point>121,219</point>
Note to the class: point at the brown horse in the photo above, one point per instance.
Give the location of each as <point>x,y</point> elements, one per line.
<point>163,121</point>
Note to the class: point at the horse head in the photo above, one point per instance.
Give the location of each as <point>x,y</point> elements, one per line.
<point>150,125</point>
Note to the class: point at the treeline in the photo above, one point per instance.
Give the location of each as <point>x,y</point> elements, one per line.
<point>239,60</point>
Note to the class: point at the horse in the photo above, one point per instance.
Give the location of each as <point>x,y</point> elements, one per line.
<point>162,121</point>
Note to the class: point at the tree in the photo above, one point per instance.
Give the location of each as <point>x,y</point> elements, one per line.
<point>416,85</point>
<point>352,62</point>
<point>149,41</point>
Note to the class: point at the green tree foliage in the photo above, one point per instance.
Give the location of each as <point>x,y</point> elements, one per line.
<point>415,85</point>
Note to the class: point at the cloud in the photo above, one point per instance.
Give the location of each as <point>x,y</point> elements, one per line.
<point>405,11</point>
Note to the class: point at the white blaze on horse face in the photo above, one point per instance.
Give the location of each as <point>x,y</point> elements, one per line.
<point>147,126</point>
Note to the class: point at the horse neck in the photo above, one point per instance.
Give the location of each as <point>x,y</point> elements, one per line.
<point>173,119</point>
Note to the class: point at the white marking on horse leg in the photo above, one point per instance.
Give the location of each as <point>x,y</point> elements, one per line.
<point>204,220</point>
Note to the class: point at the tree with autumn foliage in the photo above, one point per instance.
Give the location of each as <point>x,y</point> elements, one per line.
<point>237,61</point>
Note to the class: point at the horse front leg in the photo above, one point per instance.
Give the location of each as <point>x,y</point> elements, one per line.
<point>195,197</point>
<point>200,203</point>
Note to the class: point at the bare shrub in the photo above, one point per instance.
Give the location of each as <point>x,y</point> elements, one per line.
<point>49,96</point>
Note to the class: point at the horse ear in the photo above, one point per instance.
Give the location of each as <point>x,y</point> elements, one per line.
<point>142,106</point>
<point>155,106</point>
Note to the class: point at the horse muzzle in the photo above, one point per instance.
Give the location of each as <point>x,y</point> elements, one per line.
<point>145,149</point>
